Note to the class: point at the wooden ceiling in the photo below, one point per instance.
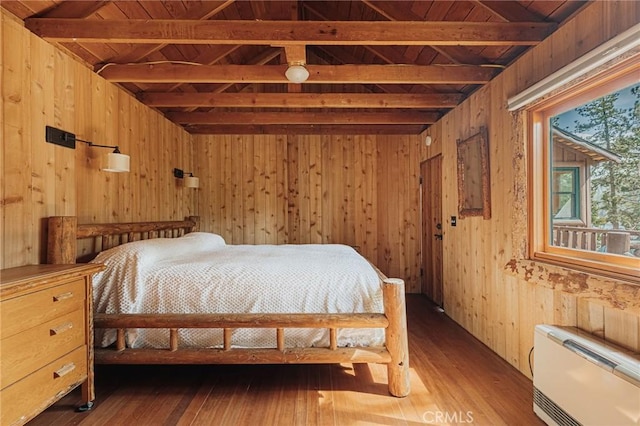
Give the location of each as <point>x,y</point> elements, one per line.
<point>390,67</point>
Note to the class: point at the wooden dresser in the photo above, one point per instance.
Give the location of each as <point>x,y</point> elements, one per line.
<point>46,337</point>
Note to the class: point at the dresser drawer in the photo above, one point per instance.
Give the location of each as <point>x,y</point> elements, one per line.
<point>34,348</point>
<point>27,397</point>
<point>24,312</point>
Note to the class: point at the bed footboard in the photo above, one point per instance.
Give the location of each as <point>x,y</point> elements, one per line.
<point>394,353</point>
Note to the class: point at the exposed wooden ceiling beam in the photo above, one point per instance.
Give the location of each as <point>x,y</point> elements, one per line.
<point>362,118</point>
<point>267,55</point>
<point>205,11</point>
<point>456,54</point>
<point>340,54</point>
<point>301,100</point>
<point>210,57</point>
<point>291,32</point>
<point>388,54</point>
<point>74,9</point>
<point>323,74</point>
<point>309,129</point>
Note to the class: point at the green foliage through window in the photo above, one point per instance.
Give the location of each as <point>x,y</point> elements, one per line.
<point>605,135</point>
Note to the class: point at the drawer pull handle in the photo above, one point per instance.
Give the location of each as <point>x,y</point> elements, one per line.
<point>61,328</point>
<point>63,296</point>
<point>64,370</point>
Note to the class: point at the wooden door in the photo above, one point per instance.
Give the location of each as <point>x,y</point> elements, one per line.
<point>431,175</point>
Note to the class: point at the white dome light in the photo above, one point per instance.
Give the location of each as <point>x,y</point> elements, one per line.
<point>297,74</point>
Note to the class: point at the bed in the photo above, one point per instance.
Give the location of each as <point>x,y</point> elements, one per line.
<point>332,334</point>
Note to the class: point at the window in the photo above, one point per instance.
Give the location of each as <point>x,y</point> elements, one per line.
<point>585,174</point>
<point>565,193</point>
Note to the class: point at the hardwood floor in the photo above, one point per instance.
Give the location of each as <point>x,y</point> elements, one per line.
<point>455,379</point>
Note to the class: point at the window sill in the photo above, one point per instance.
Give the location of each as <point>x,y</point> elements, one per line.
<point>627,274</point>
<point>614,293</point>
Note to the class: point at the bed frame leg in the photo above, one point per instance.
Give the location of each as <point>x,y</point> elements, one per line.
<point>396,337</point>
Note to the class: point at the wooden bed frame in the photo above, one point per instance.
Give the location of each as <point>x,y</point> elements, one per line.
<point>62,248</point>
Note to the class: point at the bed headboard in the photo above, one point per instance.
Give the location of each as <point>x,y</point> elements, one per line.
<point>64,233</point>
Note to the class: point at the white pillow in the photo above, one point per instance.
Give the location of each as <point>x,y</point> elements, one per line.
<point>157,249</point>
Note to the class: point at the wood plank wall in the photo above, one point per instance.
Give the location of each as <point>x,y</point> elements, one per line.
<point>361,191</point>
<point>41,85</point>
<point>488,288</point>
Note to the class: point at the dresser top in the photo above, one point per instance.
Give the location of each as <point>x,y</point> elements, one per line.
<point>14,280</point>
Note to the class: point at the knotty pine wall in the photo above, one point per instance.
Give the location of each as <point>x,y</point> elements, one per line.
<point>41,85</point>
<point>489,286</point>
<point>357,190</point>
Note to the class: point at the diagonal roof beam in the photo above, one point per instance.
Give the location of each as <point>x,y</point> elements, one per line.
<point>141,52</point>
<point>456,54</point>
<point>300,100</point>
<point>266,56</point>
<point>388,54</point>
<point>78,10</point>
<point>510,11</point>
<point>340,54</point>
<point>209,57</point>
<point>291,32</point>
<point>322,74</point>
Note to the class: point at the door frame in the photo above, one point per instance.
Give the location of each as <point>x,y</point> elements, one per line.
<point>431,282</point>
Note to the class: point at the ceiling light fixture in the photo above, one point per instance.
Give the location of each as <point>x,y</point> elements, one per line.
<point>297,73</point>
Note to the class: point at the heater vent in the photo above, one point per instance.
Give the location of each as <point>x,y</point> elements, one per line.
<point>552,410</point>
<point>579,379</point>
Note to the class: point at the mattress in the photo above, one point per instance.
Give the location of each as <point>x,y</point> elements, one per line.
<point>200,273</point>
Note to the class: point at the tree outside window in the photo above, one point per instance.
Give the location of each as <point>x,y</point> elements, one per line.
<point>605,133</point>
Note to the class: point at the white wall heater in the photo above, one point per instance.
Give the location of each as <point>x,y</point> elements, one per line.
<point>581,380</point>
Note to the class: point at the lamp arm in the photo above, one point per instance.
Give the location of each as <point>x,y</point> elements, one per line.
<point>116,148</point>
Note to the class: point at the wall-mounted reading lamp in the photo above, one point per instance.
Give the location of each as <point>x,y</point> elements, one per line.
<point>190,181</point>
<point>115,161</point>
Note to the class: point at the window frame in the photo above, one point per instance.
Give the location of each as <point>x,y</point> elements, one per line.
<point>578,179</point>
<point>540,168</point>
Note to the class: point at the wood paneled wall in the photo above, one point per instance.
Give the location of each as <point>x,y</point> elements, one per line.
<point>42,85</point>
<point>488,288</point>
<point>361,191</point>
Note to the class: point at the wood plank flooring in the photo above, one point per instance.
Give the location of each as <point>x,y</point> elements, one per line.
<point>455,379</point>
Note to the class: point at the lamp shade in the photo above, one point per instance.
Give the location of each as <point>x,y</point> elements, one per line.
<point>297,74</point>
<point>116,162</point>
<point>191,182</point>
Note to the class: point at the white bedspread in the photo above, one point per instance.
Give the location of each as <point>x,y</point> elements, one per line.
<point>199,273</point>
